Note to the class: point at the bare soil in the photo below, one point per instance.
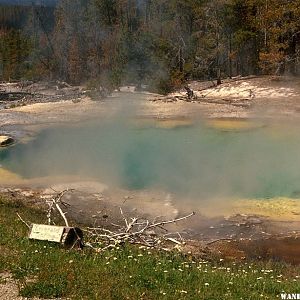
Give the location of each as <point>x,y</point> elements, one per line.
<point>251,97</point>
<point>9,289</point>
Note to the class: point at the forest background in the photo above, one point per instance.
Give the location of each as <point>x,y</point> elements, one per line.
<point>157,43</point>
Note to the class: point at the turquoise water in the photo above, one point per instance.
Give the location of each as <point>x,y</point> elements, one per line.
<point>194,161</point>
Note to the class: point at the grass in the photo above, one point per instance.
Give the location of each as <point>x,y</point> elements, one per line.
<point>45,270</point>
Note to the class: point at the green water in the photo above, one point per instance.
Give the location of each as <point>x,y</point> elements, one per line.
<point>193,161</point>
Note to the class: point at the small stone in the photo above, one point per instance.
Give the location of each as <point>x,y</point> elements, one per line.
<point>6,141</point>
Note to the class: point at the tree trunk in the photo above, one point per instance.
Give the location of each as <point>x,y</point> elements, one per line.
<point>229,57</point>
<point>219,81</point>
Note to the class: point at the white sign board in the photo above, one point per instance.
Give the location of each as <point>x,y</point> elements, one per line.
<point>46,233</point>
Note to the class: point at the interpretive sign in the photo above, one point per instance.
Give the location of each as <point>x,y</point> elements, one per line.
<point>70,237</point>
<point>47,233</point>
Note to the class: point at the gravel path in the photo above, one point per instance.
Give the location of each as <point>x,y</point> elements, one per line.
<point>9,289</point>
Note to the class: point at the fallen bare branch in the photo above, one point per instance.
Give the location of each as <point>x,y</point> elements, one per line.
<point>218,240</point>
<point>135,231</point>
<point>172,221</point>
<point>23,221</point>
<point>174,241</point>
<point>55,202</point>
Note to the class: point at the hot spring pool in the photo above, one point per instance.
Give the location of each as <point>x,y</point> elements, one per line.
<point>197,161</point>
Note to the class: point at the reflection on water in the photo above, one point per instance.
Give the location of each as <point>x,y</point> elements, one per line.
<point>196,161</point>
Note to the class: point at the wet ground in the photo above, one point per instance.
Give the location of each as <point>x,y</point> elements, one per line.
<point>235,237</point>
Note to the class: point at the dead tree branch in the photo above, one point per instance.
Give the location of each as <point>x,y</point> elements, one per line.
<point>134,231</point>
<point>23,221</point>
<point>54,203</point>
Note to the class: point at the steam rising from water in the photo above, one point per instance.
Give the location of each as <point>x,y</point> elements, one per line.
<point>197,162</point>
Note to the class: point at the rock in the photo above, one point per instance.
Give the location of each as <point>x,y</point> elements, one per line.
<point>27,194</point>
<point>6,141</point>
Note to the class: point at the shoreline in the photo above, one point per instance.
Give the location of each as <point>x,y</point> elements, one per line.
<point>238,238</point>
<point>23,123</point>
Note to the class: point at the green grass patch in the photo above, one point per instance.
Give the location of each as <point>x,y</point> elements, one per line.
<point>45,270</point>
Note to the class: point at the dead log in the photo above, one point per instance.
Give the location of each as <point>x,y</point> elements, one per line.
<point>189,92</point>
<point>9,96</point>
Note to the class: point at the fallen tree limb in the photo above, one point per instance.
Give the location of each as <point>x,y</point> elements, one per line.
<point>55,202</point>
<point>218,240</point>
<point>172,221</point>
<point>134,231</point>
<point>8,95</point>
<point>23,221</point>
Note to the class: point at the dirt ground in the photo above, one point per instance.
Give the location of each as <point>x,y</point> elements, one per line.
<point>251,97</point>
<point>263,97</point>
<point>9,289</point>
